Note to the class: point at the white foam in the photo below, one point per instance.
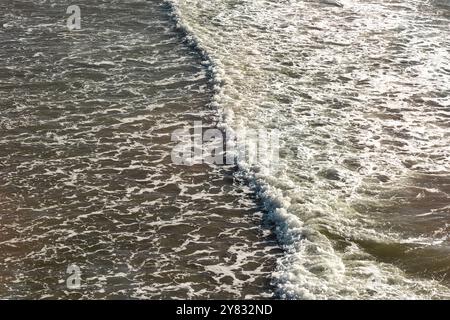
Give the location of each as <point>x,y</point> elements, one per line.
<point>249,44</point>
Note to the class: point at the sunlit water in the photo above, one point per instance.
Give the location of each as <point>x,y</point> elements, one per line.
<point>360,204</point>
<point>86,176</point>
<point>360,92</point>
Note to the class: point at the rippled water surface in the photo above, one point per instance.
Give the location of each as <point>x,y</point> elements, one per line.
<point>360,92</point>
<point>358,89</point>
<point>86,176</point>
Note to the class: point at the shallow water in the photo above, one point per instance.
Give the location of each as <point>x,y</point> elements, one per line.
<point>360,93</point>
<point>86,176</point>
<point>358,89</point>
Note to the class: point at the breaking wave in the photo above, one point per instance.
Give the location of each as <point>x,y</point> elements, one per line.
<point>360,93</point>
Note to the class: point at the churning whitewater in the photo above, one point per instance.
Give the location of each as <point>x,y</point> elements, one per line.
<point>360,92</point>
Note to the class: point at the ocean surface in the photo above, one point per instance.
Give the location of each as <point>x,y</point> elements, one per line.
<point>359,207</point>
<point>86,176</point>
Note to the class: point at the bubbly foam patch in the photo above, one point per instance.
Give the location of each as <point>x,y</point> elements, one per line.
<point>359,91</point>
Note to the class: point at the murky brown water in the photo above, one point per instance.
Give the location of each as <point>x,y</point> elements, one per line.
<point>359,90</point>
<point>86,176</point>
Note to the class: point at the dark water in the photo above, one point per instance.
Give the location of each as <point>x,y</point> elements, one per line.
<point>86,176</point>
